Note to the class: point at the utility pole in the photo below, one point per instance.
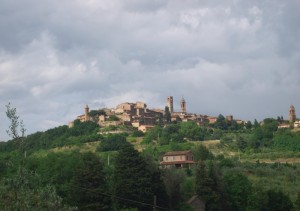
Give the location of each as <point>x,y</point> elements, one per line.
<point>154,206</point>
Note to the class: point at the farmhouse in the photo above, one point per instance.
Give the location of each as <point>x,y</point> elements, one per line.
<point>178,159</point>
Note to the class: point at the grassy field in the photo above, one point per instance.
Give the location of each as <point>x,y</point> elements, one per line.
<point>266,156</point>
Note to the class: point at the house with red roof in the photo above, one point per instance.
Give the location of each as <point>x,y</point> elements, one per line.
<point>178,159</point>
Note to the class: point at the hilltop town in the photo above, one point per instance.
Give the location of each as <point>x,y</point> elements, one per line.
<point>141,117</point>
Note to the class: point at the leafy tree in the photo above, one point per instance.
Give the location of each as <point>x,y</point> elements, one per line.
<point>248,125</point>
<point>238,189</point>
<point>132,180</point>
<point>191,131</point>
<point>278,201</point>
<point>170,133</point>
<point>23,191</point>
<point>89,190</point>
<point>137,133</point>
<point>154,134</point>
<point>241,143</point>
<point>83,128</point>
<point>113,118</point>
<point>297,202</point>
<point>202,153</point>
<point>113,142</point>
<point>94,113</point>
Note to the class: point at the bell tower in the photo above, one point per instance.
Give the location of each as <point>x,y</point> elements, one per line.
<point>170,103</point>
<point>292,116</point>
<point>183,106</point>
<point>86,113</point>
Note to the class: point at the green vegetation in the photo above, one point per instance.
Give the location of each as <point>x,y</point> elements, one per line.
<point>79,168</point>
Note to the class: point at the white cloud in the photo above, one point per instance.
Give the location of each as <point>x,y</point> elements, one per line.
<point>230,57</point>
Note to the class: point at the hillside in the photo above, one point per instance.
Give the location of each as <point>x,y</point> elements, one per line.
<point>264,156</point>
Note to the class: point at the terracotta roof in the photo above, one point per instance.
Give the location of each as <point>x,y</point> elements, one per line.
<point>177,162</point>
<point>177,153</point>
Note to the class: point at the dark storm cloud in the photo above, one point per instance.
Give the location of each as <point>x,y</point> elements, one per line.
<point>230,57</point>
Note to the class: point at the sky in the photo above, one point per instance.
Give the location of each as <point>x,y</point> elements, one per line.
<point>230,57</point>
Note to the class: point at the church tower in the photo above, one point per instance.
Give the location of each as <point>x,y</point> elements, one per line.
<point>183,106</point>
<point>86,113</point>
<point>292,116</point>
<point>170,103</point>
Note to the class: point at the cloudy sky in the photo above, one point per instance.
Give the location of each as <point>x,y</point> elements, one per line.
<point>234,57</point>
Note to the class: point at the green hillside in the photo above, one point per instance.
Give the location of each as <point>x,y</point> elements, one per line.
<point>240,168</point>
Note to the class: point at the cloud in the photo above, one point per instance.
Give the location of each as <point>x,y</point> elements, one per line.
<point>229,57</point>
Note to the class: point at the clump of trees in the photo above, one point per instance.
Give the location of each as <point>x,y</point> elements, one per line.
<point>112,142</point>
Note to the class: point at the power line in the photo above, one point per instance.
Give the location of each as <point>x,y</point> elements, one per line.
<point>124,199</point>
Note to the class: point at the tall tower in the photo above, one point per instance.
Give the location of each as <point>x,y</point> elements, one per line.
<point>183,105</point>
<point>170,103</point>
<point>292,116</point>
<point>86,113</point>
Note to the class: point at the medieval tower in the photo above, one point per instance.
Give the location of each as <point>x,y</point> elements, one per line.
<point>183,106</point>
<point>170,103</point>
<point>86,113</point>
<point>292,116</point>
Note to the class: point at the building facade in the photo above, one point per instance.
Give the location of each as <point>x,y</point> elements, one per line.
<point>178,159</point>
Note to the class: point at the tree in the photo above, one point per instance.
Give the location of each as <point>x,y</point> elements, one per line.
<point>202,153</point>
<point>206,186</point>
<point>278,201</point>
<point>221,123</point>
<point>297,202</point>
<point>23,191</point>
<point>248,125</point>
<point>238,189</point>
<point>154,134</point>
<point>112,143</point>
<point>132,180</point>
<point>256,125</point>
<point>158,186</point>
<point>191,131</point>
<point>170,133</point>
<point>173,180</point>
<point>113,118</point>
<point>89,189</point>
<point>167,115</point>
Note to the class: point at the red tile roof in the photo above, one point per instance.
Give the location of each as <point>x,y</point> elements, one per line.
<point>177,153</point>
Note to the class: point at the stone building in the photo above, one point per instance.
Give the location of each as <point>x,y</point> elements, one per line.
<point>292,115</point>
<point>183,106</point>
<point>170,104</point>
